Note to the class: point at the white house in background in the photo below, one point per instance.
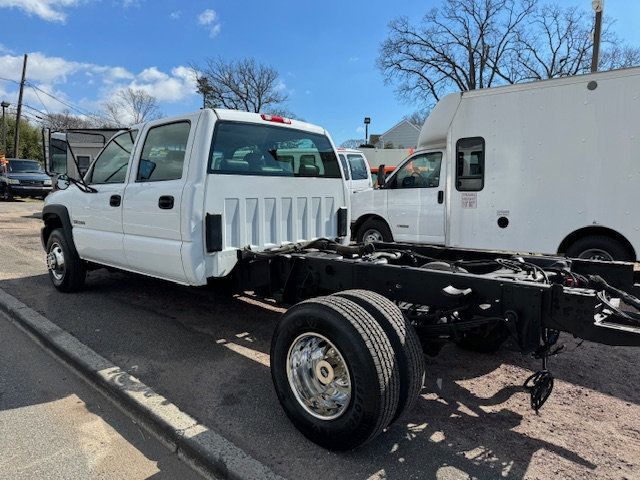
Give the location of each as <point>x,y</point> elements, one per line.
<point>404,134</point>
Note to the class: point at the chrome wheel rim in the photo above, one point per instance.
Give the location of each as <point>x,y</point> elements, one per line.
<point>318,376</point>
<point>372,235</point>
<point>55,261</point>
<point>596,254</point>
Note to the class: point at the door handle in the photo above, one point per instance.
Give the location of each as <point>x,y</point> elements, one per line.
<point>440,196</point>
<point>165,202</point>
<point>115,200</point>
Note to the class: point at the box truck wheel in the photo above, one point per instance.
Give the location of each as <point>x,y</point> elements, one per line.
<point>334,371</point>
<point>374,230</point>
<point>66,270</point>
<point>599,247</point>
<point>403,338</point>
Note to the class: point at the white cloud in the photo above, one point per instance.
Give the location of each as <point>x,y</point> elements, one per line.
<point>209,19</point>
<point>5,49</point>
<point>353,59</point>
<point>360,130</point>
<point>49,10</point>
<point>56,75</point>
<point>175,15</point>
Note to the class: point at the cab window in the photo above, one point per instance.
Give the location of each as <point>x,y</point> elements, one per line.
<point>345,167</point>
<point>111,164</point>
<point>163,152</point>
<point>359,167</point>
<point>257,149</point>
<point>421,171</point>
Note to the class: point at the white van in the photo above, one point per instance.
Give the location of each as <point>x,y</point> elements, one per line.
<point>357,172</point>
<point>549,167</point>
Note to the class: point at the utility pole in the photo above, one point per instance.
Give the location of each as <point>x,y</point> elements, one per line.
<point>367,121</point>
<point>597,5</point>
<point>16,140</point>
<point>4,127</point>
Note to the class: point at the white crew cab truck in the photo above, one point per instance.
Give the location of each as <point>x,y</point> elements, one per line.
<point>551,167</point>
<point>356,169</point>
<point>261,200</point>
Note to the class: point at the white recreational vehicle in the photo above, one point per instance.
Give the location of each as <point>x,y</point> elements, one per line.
<point>550,167</point>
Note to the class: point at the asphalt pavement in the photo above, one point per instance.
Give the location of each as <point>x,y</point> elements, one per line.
<point>55,426</point>
<point>208,353</point>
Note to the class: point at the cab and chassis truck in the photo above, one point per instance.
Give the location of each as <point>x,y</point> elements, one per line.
<point>205,198</point>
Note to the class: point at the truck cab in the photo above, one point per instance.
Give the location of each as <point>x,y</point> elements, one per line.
<point>177,198</point>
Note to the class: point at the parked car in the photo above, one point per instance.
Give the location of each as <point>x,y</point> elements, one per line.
<point>546,167</point>
<point>23,178</point>
<point>356,169</point>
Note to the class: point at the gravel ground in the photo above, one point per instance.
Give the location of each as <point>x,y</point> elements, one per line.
<point>209,354</point>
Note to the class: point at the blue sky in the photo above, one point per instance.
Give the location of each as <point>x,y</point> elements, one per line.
<point>82,51</point>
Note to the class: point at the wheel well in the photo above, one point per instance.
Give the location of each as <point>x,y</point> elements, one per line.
<point>591,231</point>
<point>51,222</point>
<point>355,226</point>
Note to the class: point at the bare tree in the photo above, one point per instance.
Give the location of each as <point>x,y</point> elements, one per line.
<point>559,43</point>
<point>65,120</point>
<point>353,143</point>
<point>464,45</point>
<point>469,44</point>
<point>240,85</point>
<point>418,117</point>
<point>131,106</point>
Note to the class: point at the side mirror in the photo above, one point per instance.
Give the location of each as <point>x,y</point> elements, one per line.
<point>56,153</point>
<point>381,177</point>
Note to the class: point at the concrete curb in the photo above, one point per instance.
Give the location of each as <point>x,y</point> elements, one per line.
<point>205,450</point>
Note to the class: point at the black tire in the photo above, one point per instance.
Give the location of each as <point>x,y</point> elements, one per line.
<point>7,196</point>
<point>376,225</point>
<point>595,243</point>
<point>485,339</point>
<point>404,340</point>
<point>370,361</point>
<point>71,277</point>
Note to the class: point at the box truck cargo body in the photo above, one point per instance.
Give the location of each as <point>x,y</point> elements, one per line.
<point>550,167</point>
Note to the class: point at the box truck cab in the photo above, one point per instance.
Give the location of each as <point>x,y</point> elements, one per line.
<point>356,169</point>
<point>547,167</point>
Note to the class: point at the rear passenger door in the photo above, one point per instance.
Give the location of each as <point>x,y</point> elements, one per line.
<point>152,200</point>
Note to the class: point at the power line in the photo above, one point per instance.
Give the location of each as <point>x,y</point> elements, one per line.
<point>38,95</point>
<point>77,109</point>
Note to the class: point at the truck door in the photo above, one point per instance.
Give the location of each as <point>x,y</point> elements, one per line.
<point>152,200</point>
<point>97,217</point>
<point>415,202</point>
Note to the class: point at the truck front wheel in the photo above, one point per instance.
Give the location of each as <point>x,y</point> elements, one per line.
<point>374,230</point>
<point>334,372</point>
<point>66,270</point>
<point>599,247</point>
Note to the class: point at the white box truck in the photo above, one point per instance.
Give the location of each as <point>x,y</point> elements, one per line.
<point>550,167</point>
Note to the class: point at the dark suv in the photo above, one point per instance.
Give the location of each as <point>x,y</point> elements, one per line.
<point>23,178</point>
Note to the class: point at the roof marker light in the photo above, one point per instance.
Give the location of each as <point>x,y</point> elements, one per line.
<point>275,118</point>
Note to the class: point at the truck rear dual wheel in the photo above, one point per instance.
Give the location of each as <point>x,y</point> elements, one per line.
<point>404,340</point>
<point>66,270</point>
<point>335,372</point>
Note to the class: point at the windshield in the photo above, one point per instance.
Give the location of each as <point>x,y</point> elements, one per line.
<point>25,166</point>
<point>253,149</point>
